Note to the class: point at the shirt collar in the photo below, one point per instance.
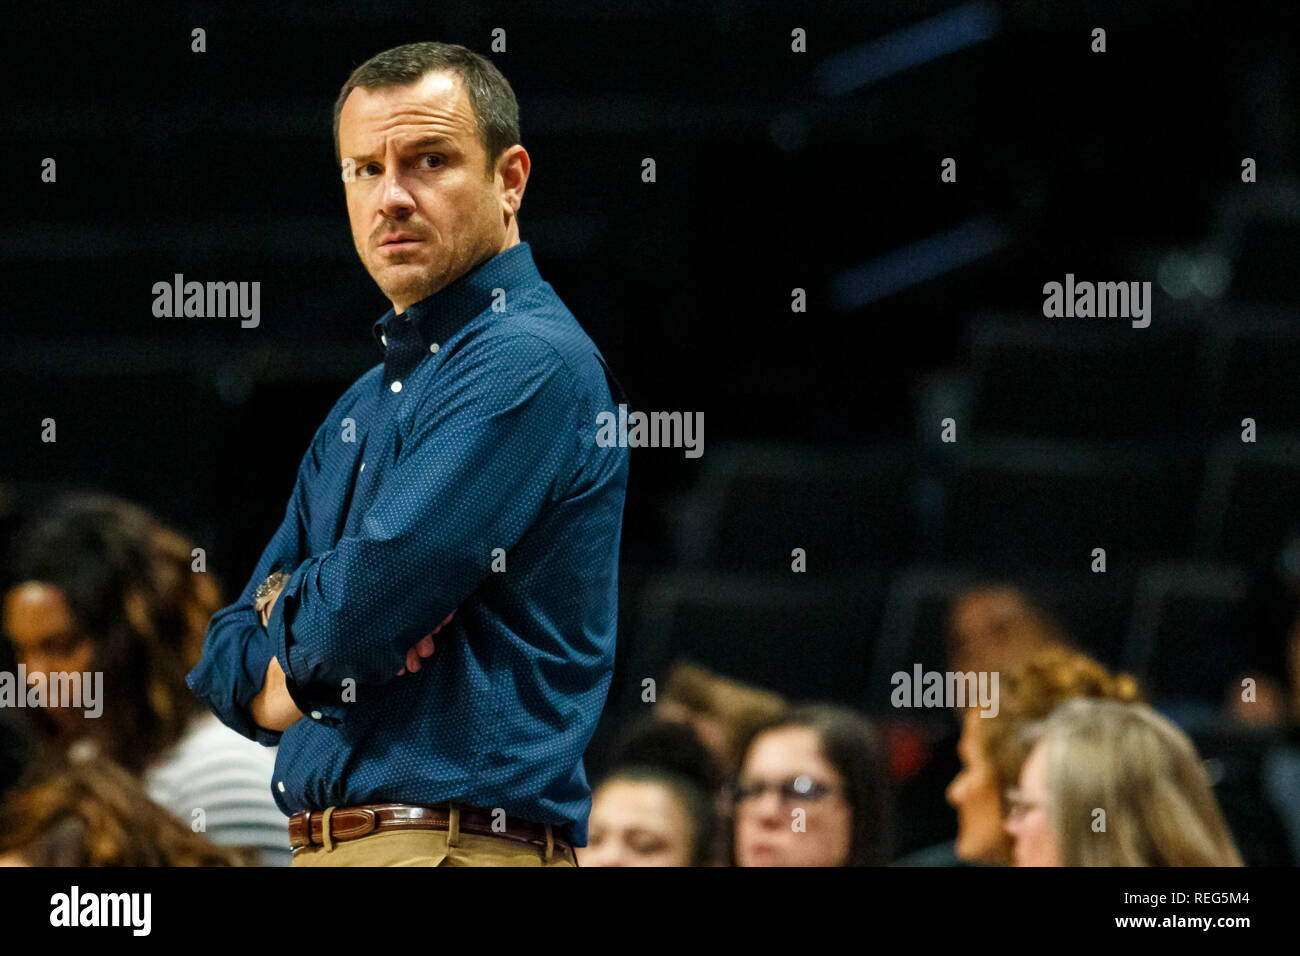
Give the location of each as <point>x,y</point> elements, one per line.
<point>440,316</point>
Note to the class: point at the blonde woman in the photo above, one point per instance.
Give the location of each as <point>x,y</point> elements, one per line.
<point>1115,784</point>
<point>991,749</point>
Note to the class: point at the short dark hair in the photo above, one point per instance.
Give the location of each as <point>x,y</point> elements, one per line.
<point>695,802</point>
<point>490,95</point>
<point>851,744</point>
<point>671,745</point>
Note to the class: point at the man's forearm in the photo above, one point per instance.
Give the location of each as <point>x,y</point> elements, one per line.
<point>273,707</point>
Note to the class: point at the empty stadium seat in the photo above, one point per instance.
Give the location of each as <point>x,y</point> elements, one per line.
<point>1248,506</point>
<point>804,637</point>
<point>755,503</point>
<point>1091,379</point>
<point>1251,363</point>
<point>1182,644</point>
<point>1016,506</point>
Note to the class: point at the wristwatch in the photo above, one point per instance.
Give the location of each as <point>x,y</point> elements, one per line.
<point>268,589</point>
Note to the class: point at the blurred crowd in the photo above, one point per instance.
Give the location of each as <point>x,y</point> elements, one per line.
<point>98,585</point>
<point>1072,769</point>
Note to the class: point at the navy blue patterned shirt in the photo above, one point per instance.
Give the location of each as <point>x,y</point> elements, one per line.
<point>460,474</point>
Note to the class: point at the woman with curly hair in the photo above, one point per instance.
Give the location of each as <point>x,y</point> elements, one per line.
<point>90,812</point>
<point>100,587</point>
<point>992,750</point>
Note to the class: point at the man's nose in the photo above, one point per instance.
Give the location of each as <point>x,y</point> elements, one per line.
<point>397,201</point>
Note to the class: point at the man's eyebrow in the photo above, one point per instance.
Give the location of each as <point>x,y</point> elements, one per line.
<point>433,139</point>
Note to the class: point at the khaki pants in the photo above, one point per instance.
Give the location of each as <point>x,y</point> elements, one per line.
<point>431,848</point>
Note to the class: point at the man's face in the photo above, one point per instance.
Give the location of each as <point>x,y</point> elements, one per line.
<point>420,176</point>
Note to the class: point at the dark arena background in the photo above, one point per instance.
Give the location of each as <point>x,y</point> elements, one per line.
<point>826,230</point>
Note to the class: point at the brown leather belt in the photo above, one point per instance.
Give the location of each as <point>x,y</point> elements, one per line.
<point>352,823</point>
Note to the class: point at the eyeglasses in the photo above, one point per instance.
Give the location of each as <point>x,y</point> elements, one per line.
<point>794,790</point>
<point>1017,806</point>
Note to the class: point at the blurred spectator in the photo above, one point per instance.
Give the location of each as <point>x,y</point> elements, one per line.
<point>674,746</point>
<point>724,712</point>
<point>647,816</point>
<point>1281,770</point>
<point>995,749</point>
<point>1269,631</point>
<point>91,812</point>
<point>991,749</point>
<point>1115,784</point>
<point>1268,635</point>
<point>996,626</point>
<point>991,628</point>
<point>670,745</point>
<point>16,752</point>
<point>99,585</point>
<point>811,792</point>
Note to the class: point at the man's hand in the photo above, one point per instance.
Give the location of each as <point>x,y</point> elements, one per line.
<point>273,708</point>
<point>424,648</point>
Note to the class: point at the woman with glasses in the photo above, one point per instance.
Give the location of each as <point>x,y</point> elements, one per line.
<point>811,792</point>
<point>1115,784</point>
<point>992,750</point>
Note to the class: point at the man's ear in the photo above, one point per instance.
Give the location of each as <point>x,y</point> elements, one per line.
<point>513,167</point>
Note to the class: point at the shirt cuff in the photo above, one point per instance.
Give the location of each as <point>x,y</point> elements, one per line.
<point>257,657</point>
<point>228,690</point>
<point>318,702</point>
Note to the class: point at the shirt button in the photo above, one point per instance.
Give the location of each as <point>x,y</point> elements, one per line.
<point>433,347</point>
<point>383,338</point>
<point>315,715</point>
<point>363,467</point>
<point>396,386</point>
<point>281,786</point>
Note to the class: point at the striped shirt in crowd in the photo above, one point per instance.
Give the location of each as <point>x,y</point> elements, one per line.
<point>228,777</point>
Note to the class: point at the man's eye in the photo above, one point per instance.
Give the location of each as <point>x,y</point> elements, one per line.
<point>437,160</point>
<point>366,169</point>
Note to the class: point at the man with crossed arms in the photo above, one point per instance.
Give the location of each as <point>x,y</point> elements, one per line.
<point>458,483</point>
